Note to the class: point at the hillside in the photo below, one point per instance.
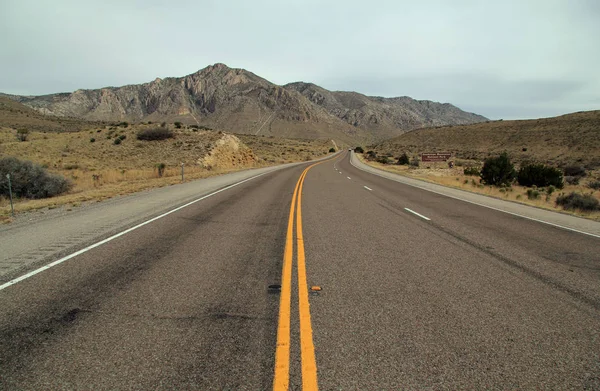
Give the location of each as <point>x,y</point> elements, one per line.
<point>235,99</point>
<point>568,139</point>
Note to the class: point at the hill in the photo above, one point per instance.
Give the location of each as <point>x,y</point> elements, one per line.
<point>560,141</point>
<point>240,101</point>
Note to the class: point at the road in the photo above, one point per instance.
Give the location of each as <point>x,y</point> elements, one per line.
<point>385,287</point>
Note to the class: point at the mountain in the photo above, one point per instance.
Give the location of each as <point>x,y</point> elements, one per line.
<point>571,139</point>
<point>242,102</point>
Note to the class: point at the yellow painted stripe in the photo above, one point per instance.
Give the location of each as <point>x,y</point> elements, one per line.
<point>282,353</point>
<point>307,347</point>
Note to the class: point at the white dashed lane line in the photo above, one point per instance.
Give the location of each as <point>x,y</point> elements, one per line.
<point>418,214</point>
<point>348,177</point>
<point>368,188</point>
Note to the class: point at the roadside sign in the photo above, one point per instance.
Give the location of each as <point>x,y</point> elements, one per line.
<point>436,156</point>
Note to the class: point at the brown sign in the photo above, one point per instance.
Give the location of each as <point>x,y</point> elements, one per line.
<point>436,156</point>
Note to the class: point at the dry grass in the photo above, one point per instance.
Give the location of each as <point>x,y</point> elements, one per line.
<point>440,174</point>
<point>101,169</point>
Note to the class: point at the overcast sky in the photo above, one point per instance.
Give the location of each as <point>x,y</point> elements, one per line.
<point>502,59</point>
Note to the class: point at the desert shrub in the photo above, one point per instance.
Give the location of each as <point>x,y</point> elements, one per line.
<point>498,171</point>
<point>22,134</point>
<point>178,125</point>
<point>572,180</point>
<point>533,194</point>
<point>550,189</point>
<point>415,162</point>
<point>471,171</point>
<point>331,149</point>
<point>154,134</point>
<point>383,160</point>
<point>124,124</point>
<point>122,137</point>
<point>539,175</point>
<point>194,126</point>
<point>585,202</point>
<point>403,160</point>
<point>594,185</point>
<point>117,141</point>
<point>30,180</point>
<point>160,167</point>
<point>92,140</point>
<point>359,150</point>
<point>576,171</point>
<point>371,155</point>
<point>163,125</point>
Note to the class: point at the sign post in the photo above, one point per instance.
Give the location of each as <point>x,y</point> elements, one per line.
<point>181,172</point>
<point>12,209</point>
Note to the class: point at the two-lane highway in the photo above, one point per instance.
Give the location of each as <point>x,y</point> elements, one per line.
<point>417,291</point>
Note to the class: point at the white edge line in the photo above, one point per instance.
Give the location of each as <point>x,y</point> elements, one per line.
<point>368,188</point>
<point>478,204</point>
<point>418,214</point>
<point>83,250</point>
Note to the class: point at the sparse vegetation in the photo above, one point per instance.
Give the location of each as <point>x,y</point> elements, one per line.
<point>540,175</point>
<point>414,162</point>
<point>160,168</point>
<point>359,150</point>
<point>583,202</point>
<point>22,134</point>
<point>383,160</point>
<point>154,134</point>
<point>594,185</point>
<point>498,171</point>
<point>575,171</point>
<point>30,180</point>
<point>533,194</point>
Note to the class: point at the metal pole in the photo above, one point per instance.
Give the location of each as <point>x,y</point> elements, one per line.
<point>181,172</point>
<point>12,209</point>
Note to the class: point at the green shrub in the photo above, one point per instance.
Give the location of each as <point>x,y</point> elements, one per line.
<point>124,124</point>
<point>371,155</point>
<point>585,202</point>
<point>30,180</point>
<point>122,137</point>
<point>117,141</point>
<point>540,175</point>
<point>22,134</point>
<point>572,180</point>
<point>498,171</point>
<point>471,171</point>
<point>154,134</point>
<point>160,167</point>
<point>533,194</point>
<point>92,140</point>
<point>415,162</point>
<point>594,185</point>
<point>383,160</point>
<point>163,125</point>
<point>359,150</point>
<point>178,125</point>
<point>550,189</point>
<point>403,160</point>
<point>331,149</point>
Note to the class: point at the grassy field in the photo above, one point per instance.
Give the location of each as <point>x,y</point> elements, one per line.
<point>101,167</point>
<point>439,173</point>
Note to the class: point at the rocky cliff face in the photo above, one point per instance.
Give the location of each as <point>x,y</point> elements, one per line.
<point>242,102</point>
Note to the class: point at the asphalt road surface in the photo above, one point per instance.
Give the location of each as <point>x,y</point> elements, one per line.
<point>365,284</point>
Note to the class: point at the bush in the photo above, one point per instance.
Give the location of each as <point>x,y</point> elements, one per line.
<point>124,124</point>
<point>154,134</point>
<point>371,155</point>
<point>117,141</point>
<point>540,175</point>
<point>92,140</point>
<point>160,167</point>
<point>594,185</point>
<point>383,160</point>
<point>30,180</point>
<point>163,125</point>
<point>533,194</point>
<point>415,162</point>
<point>22,134</point>
<point>331,149</point>
<point>498,171</point>
<point>585,202</point>
<point>576,171</point>
<point>403,160</point>
<point>471,171</point>
<point>122,137</point>
<point>178,125</point>
<point>359,150</point>
<point>572,180</point>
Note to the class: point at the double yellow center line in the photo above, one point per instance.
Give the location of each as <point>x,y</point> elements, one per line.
<point>307,348</point>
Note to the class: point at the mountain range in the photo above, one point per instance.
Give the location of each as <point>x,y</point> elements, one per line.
<point>239,101</point>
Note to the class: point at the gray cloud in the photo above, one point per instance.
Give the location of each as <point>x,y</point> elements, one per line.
<point>504,59</point>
